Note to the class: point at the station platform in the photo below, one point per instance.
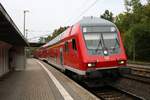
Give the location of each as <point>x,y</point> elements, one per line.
<point>40,81</point>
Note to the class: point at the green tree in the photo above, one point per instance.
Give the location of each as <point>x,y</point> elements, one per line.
<point>107,15</point>
<point>127,5</point>
<point>55,33</point>
<point>42,40</point>
<point>134,26</point>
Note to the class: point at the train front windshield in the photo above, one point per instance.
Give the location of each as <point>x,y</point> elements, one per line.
<point>101,40</point>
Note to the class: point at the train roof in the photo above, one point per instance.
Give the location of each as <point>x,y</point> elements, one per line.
<point>88,21</point>
<point>54,40</point>
<point>85,21</point>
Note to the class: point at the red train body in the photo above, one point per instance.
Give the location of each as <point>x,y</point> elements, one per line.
<point>91,45</point>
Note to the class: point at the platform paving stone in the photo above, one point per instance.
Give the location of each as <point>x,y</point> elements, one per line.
<point>31,84</point>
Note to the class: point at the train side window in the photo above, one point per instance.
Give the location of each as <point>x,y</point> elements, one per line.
<point>74,44</point>
<point>66,47</point>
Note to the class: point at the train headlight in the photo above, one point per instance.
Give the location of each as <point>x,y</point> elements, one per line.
<point>105,52</point>
<point>91,64</point>
<point>121,62</point>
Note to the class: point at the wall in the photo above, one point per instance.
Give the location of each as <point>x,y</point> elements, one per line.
<point>4,58</point>
<point>11,58</point>
<point>20,58</point>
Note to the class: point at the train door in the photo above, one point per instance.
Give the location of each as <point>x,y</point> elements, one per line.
<point>61,56</point>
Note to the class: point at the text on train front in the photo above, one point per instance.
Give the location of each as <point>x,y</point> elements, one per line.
<point>101,40</point>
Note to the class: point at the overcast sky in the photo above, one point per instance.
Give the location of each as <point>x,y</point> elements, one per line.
<point>46,15</point>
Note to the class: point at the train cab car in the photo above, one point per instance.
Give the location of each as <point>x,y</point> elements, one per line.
<point>103,45</point>
<point>90,46</point>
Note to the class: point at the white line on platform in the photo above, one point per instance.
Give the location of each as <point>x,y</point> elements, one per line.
<point>61,89</point>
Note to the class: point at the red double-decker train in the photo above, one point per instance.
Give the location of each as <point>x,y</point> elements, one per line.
<point>90,47</point>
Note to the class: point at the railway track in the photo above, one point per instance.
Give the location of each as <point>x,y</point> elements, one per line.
<point>139,73</point>
<point>134,84</point>
<point>111,93</point>
<point>140,70</point>
<point>108,91</point>
<point>141,79</point>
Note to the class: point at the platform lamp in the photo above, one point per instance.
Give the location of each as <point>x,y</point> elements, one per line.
<point>24,23</point>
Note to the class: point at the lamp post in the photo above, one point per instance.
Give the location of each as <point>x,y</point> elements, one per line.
<point>26,32</point>
<point>24,23</point>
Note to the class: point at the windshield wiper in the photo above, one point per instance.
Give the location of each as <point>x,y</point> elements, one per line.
<point>117,42</point>
<point>99,43</point>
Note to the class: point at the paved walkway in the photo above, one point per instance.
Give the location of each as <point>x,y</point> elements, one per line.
<point>35,84</point>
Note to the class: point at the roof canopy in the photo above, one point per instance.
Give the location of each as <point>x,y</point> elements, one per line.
<point>8,30</point>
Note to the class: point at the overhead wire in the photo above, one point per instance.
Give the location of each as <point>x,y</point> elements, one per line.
<point>83,4</point>
<point>84,11</point>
